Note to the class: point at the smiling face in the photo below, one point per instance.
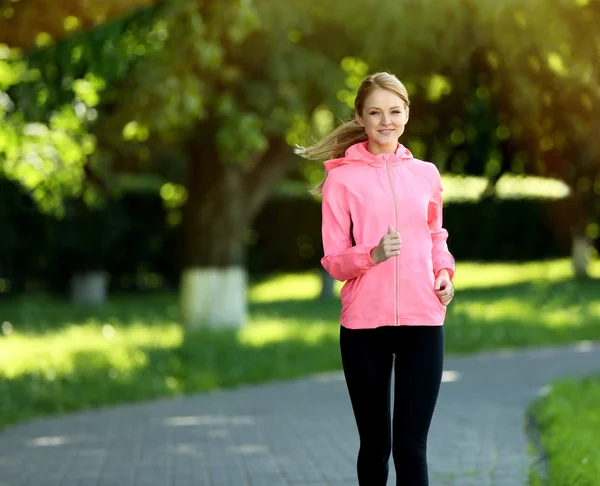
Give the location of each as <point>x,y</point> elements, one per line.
<point>383,117</point>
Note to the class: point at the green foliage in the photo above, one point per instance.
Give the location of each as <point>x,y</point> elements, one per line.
<point>80,68</point>
<point>237,71</point>
<point>516,77</point>
<point>11,69</point>
<point>212,82</point>
<point>44,157</point>
<point>57,357</point>
<point>49,100</point>
<point>569,421</point>
<point>232,74</point>
<point>178,80</point>
<point>47,158</point>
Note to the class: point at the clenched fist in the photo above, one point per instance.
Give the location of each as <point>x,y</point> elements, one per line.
<point>389,246</point>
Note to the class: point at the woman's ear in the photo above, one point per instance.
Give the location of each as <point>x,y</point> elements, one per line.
<point>407,114</point>
<point>358,119</point>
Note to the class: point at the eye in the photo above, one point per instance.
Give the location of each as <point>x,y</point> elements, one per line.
<point>396,112</point>
<point>373,113</point>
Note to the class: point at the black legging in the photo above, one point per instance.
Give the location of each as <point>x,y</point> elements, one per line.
<point>367,357</point>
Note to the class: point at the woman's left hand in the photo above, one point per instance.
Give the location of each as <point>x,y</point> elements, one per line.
<point>443,288</point>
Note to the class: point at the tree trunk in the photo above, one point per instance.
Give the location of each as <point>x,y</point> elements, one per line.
<point>222,202</point>
<point>491,188</point>
<point>213,284</point>
<point>214,297</point>
<point>580,256</point>
<point>327,283</point>
<point>581,244</point>
<point>89,288</point>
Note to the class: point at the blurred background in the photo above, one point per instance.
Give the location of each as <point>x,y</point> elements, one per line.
<point>158,236</point>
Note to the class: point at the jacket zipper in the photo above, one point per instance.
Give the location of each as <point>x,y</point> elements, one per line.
<point>396,260</point>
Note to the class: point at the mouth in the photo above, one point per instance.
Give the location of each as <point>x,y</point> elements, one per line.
<point>386,132</point>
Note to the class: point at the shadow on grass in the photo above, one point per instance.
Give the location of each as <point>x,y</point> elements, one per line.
<point>570,288</point>
<point>206,360</point>
<point>537,297</point>
<point>533,314</point>
<point>34,315</point>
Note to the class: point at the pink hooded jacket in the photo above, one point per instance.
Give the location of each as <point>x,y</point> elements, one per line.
<point>363,194</point>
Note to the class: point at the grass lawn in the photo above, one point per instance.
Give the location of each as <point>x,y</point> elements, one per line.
<point>56,357</point>
<point>569,422</point>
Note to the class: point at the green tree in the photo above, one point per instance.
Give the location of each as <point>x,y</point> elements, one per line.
<point>214,114</point>
<point>49,104</point>
<point>501,86</point>
<point>51,96</point>
<point>547,77</point>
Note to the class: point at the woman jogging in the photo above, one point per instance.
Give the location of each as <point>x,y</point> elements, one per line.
<point>383,235</point>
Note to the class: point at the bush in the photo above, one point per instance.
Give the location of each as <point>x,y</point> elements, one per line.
<point>491,230</point>
<point>130,236</point>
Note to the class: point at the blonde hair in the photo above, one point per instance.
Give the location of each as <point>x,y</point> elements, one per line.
<point>335,144</point>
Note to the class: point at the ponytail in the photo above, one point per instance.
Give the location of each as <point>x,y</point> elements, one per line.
<point>333,146</point>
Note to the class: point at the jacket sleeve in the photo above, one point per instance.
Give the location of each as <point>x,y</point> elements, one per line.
<point>441,256</point>
<point>342,260</point>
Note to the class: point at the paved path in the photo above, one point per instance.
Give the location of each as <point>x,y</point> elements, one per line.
<point>289,434</point>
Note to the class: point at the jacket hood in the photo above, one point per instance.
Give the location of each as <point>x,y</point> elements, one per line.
<point>359,154</point>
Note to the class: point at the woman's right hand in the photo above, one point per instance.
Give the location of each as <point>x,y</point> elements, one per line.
<point>389,246</point>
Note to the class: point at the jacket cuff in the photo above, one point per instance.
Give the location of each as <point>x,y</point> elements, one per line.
<point>370,255</point>
<point>445,265</point>
<point>364,261</point>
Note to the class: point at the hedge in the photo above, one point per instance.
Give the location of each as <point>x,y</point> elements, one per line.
<point>131,236</point>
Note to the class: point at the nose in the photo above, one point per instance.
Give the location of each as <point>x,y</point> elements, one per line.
<point>385,120</point>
